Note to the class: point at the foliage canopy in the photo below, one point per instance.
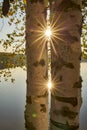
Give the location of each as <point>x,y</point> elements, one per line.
<point>14,11</point>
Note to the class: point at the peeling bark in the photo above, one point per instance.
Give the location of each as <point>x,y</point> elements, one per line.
<point>70,100</point>
<point>64,126</point>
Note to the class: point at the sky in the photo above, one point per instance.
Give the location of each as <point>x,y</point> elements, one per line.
<point>5,29</point>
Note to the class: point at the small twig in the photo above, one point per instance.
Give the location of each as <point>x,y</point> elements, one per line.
<point>19,45</point>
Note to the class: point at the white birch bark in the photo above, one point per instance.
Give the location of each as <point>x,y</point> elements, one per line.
<point>36,113</point>
<point>66,91</point>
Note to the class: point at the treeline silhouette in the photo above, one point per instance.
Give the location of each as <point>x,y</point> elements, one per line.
<point>11,60</point>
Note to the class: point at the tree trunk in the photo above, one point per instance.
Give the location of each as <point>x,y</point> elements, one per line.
<point>66,91</point>
<point>36,113</point>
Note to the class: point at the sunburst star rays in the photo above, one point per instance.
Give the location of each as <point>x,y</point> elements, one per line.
<point>57,30</point>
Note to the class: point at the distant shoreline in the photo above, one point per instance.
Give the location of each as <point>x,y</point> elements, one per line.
<point>10,54</point>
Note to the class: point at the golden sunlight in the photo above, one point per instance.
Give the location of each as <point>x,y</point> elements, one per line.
<point>49,85</point>
<point>48,32</point>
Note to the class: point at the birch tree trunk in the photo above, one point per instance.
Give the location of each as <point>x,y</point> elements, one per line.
<point>66,91</point>
<point>36,112</point>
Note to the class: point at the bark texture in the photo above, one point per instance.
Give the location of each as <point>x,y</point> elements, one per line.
<point>66,92</point>
<point>36,112</point>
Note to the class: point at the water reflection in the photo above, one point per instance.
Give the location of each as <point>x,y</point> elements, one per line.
<point>13,101</point>
<point>74,116</point>
<point>83,112</point>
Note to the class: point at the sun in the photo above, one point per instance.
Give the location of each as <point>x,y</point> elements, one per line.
<point>49,85</point>
<point>48,32</point>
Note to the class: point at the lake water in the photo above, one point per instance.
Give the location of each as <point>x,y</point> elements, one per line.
<point>13,99</point>
<point>83,112</point>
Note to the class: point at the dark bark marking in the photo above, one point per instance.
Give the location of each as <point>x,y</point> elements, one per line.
<point>74,39</point>
<point>43,96</point>
<point>29,125</point>
<point>66,112</point>
<point>43,108</point>
<point>72,15</point>
<point>67,37</point>
<point>65,5</point>
<point>70,65</point>
<point>36,63</point>
<point>60,63</point>
<point>41,62</point>
<point>71,100</point>
<point>78,84</point>
<point>27,81</point>
<point>29,99</point>
<point>57,64</point>
<point>64,126</point>
<point>35,1</point>
<point>38,24</point>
